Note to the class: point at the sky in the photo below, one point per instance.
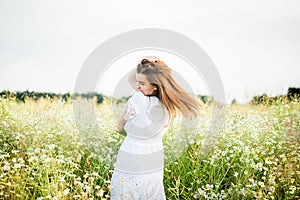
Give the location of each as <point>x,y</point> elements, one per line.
<point>255,45</point>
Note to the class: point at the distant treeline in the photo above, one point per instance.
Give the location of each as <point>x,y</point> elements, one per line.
<point>21,96</point>
<point>292,94</point>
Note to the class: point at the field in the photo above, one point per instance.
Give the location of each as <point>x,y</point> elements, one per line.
<point>44,155</point>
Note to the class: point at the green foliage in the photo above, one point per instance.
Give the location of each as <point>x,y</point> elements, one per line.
<point>206,99</point>
<point>43,156</point>
<point>293,95</point>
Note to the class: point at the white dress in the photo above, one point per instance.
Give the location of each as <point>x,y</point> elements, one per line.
<point>138,173</point>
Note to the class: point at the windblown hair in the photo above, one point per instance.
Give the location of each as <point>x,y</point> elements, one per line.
<point>172,96</point>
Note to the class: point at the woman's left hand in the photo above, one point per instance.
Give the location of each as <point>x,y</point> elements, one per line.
<point>151,58</point>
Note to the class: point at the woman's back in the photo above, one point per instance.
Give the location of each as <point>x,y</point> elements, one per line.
<point>146,117</point>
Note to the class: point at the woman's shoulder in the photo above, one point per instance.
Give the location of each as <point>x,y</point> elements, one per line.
<point>137,95</point>
<point>139,98</point>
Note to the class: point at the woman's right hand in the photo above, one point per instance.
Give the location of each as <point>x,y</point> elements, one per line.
<point>118,130</point>
<point>121,131</point>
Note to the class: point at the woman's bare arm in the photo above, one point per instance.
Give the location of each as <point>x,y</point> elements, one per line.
<point>120,124</point>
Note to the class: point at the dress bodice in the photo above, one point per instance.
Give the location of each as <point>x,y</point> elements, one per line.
<point>146,123</point>
<point>146,117</point>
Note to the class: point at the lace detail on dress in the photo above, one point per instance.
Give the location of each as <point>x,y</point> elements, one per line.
<point>130,112</point>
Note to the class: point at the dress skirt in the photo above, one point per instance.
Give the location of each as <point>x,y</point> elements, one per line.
<point>138,173</point>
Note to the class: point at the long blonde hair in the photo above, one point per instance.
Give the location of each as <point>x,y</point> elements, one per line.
<point>172,96</point>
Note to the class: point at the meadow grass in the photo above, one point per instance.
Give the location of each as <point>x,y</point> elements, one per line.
<point>43,154</point>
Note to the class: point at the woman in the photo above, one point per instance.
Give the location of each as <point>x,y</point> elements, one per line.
<point>138,172</point>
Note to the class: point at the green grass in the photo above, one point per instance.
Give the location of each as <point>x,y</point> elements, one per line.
<point>42,155</point>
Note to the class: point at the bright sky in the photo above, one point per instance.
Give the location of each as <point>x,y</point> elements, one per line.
<point>254,44</point>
